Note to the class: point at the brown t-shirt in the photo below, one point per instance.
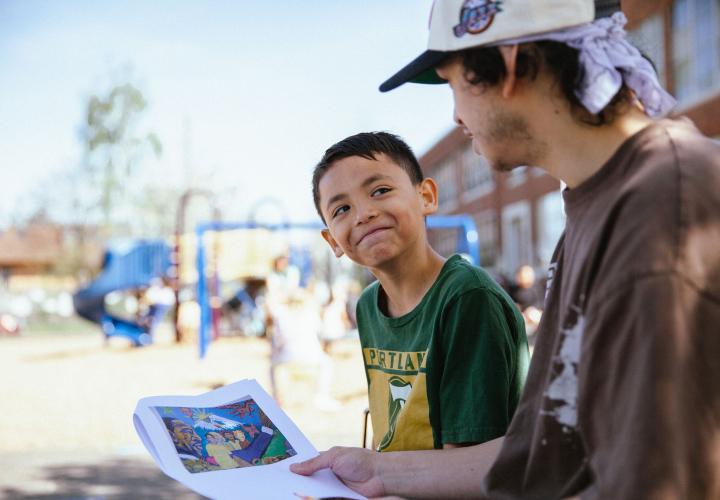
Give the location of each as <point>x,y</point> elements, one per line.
<point>622,400</point>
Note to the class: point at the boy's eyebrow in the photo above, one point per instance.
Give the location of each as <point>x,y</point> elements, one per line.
<point>374,178</point>
<point>365,183</point>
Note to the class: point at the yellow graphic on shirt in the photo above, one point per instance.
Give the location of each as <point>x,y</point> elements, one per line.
<point>399,393</point>
<point>398,400</point>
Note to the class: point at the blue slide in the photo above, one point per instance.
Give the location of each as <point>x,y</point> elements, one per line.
<point>125,267</point>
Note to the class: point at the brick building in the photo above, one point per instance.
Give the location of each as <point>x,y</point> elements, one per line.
<point>519,214</point>
<point>45,254</point>
<point>31,250</point>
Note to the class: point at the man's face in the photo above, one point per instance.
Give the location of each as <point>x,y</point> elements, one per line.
<point>373,211</point>
<point>498,132</point>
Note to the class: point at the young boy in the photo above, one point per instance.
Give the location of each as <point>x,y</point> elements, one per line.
<point>444,347</point>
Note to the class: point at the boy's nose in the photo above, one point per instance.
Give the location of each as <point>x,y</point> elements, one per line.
<point>365,213</point>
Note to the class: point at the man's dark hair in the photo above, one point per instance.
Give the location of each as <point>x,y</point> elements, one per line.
<point>367,145</point>
<point>485,67</point>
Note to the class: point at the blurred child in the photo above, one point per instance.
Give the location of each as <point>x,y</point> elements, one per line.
<point>335,323</point>
<point>294,342</point>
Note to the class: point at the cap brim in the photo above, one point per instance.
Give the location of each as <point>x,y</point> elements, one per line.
<point>420,70</point>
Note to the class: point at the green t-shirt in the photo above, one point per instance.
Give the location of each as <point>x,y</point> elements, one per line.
<point>449,371</point>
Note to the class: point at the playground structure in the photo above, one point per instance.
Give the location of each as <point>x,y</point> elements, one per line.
<point>129,266</point>
<point>208,284</point>
<point>136,265</point>
<point>177,254</point>
<point>208,290</point>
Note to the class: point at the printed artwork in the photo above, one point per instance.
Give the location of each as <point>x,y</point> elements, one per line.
<point>224,437</point>
<point>306,497</point>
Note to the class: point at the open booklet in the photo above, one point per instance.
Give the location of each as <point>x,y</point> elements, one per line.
<point>233,442</point>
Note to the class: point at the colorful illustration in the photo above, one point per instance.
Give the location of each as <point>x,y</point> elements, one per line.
<point>305,497</point>
<point>225,437</point>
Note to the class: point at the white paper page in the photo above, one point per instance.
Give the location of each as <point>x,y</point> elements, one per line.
<point>272,481</point>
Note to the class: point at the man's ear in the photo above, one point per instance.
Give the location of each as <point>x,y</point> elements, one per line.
<point>333,244</point>
<point>509,54</point>
<point>428,192</point>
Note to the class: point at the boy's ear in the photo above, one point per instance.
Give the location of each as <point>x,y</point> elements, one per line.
<point>333,244</point>
<point>428,192</point>
<point>509,55</point>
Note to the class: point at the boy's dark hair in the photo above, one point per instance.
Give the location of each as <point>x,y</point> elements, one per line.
<point>485,66</point>
<point>367,145</point>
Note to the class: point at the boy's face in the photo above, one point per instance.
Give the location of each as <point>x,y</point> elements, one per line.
<point>373,212</point>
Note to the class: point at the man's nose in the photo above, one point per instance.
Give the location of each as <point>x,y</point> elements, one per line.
<point>457,119</point>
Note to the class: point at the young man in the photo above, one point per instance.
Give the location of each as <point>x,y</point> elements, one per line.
<point>444,347</point>
<point>623,395</point>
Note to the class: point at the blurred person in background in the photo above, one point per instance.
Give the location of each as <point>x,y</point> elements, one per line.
<point>528,297</point>
<point>295,347</point>
<point>335,321</point>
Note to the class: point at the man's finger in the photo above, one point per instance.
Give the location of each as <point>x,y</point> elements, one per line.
<point>309,467</point>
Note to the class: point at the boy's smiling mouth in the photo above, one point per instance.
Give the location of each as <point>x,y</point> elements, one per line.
<point>371,233</point>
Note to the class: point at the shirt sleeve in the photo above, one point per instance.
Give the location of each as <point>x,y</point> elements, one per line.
<point>649,394</point>
<point>478,367</point>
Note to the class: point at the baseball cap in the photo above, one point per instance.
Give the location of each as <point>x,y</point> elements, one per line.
<point>462,24</point>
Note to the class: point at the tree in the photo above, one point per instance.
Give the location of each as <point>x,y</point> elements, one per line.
<point>114,147</point>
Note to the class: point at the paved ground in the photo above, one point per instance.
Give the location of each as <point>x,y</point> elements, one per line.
<point>67,400</point>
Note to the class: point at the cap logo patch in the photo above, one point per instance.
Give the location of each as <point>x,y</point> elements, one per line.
<point>476,16</point>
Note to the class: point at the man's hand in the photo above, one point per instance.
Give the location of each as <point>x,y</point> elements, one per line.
<point>356,467</point>
<point>454,473</point>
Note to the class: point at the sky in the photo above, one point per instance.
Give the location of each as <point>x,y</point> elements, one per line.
<point>244,96</point>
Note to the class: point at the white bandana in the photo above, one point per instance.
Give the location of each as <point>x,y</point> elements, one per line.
<point>609,60</point>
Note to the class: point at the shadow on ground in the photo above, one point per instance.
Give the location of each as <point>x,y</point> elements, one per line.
<point>110,479</point>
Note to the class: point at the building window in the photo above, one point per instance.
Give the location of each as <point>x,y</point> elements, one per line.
<point>477,175</point>
<point>517,248</point>
<point>649,37</point>
<point>696,47</point>
<point>486,223</point>
<point>551,223</point>
<point>535,171</point>
<point>516,177</point>
<point>447,186</point>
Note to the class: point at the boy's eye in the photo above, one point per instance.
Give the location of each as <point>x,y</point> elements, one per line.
<point>340,210</point>
<point>380,191</point>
